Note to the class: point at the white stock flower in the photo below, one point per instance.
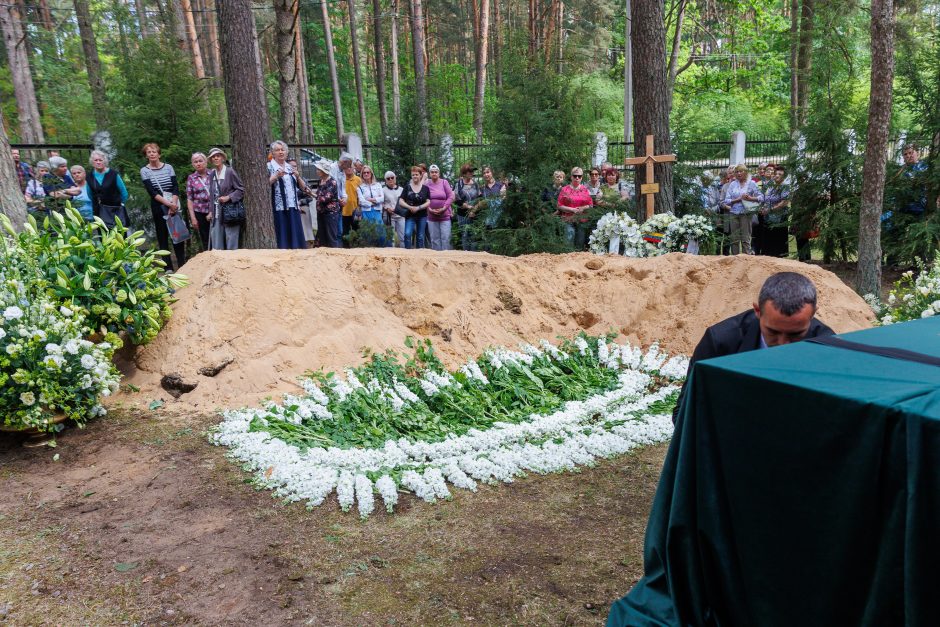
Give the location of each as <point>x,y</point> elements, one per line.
<point>364,497</point>
<point>13,313</point>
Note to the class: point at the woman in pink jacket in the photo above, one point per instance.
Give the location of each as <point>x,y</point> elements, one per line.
<point>439,213</point>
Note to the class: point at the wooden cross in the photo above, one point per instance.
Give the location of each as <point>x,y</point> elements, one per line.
<point>650,159</point>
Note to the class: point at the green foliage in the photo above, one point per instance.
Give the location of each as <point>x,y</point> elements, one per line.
<point>522,225</point>
<point>103,273</point>
<point>369,234</point>
<point>160,101</point>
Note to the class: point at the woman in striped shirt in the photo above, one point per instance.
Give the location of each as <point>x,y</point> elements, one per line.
<point>160,180</point>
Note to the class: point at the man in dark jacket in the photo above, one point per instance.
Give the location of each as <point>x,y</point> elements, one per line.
<point>783,314</point>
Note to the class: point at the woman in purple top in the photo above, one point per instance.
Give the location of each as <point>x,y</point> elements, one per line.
<point>439,212</point>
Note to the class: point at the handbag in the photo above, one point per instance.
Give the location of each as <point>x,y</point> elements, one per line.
<point>233,212</point>
<point>175,224</point>
<point>108,214</point>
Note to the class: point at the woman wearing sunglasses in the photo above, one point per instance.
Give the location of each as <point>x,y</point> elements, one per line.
<point>573,200</point>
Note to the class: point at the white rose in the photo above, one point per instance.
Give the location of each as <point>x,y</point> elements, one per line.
<point>27,398</point>
<point>12,313</point>
<point>88,362</point>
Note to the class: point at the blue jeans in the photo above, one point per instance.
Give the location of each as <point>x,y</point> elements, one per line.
<point>415,226</point>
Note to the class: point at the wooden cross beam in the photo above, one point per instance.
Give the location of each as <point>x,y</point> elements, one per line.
<point>650,159</point>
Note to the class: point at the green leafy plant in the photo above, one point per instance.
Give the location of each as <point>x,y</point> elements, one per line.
<point>103,272</point>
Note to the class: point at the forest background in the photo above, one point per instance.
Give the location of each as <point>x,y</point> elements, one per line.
<point>532,80</point>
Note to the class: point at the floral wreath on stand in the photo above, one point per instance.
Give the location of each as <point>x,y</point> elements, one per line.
<point>689,229</point>
<point>653,231</point>
<point>620,226</point>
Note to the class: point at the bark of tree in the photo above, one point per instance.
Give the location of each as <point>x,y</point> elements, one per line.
<point>245,101</point>
<point>421,88</point>
<point>498,43</point>
<point>176,24</point>
<point>303,97</point>
<point>189,21</point>
<point>868,280</point>
<point>285,24</point>
<point>357,71</point>
<point>46,15</point>
<point>674,54</point>
<point>14,39</point>
<point>481,62</point>
<point>212,28</point>
<point>396,72</point>
<point>334,79</point>
<point>651,101</point>
<point>99,100</point>
<point>805,62</point>
<point>145,30</point>
<point>794,64</point>
<point>12,202</point>
<point>379,65</point>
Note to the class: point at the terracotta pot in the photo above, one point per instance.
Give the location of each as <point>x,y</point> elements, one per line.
<point>35,437</point>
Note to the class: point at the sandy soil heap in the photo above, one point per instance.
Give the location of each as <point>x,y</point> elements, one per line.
<point>274,314</point>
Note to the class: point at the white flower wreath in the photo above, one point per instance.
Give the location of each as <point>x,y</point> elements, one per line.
<point>617,225</point>
<point>688,228</point>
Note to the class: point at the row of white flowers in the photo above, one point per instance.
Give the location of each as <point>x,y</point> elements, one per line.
<point>563,440</point>
<point>663,233</point>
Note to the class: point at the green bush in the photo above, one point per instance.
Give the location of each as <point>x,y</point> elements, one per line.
<point>103,272</point>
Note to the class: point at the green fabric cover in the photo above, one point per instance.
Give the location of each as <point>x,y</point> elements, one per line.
<point>801,487</point>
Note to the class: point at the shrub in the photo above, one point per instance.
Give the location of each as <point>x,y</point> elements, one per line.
<point>104,273</point>
<point>46,366</point>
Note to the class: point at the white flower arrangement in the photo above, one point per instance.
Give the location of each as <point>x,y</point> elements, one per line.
<point>609,422</point>
<point>690,227</point>
<point>912,297</point>
<point>617,225</point>
<point>653,232</point>
<point>46,365</point>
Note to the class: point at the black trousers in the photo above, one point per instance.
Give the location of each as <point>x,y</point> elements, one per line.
<point>203,225</point>
<point>163,237</point>
<point>328,230</point>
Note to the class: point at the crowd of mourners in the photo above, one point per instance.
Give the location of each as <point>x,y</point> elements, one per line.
<point>753,212</point>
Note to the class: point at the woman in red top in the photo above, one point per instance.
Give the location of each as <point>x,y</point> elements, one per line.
<point>575,199</point>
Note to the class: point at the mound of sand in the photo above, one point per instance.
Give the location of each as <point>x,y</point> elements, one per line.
<point>268,316</point>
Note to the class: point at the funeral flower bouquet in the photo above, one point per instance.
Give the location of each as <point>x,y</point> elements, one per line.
<point>653,231</point>
<point>690,227</point>
<point>46,365</point>
<point>620,226</point>
<point>912,297</point>
<point>402,423</point>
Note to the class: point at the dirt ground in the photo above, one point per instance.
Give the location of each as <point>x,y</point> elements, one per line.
<point>141,521</point>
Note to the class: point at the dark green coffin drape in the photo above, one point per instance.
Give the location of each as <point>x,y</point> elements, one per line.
<point>801,487</point>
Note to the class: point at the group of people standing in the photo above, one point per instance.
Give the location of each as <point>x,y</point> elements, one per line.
<point>572,200</point>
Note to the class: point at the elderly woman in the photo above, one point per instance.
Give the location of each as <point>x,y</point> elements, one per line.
<point>329,206</point>
<point>741,190</point>
<point>107,190</point>
<point>82,202</point>
<point>594,184</point>
<point>774,211</point>
<point>550,193</point>
<point>467,194</point>
<point>391,192</point>
<point>199,197</point>
<point>371,198</point>
<point>159,179</point>
<point>58,184</point>
<point>286,187</point>
<point>225,187</point>
<point>573,200</point>
<point>415,199</point>
<point>439,211</point>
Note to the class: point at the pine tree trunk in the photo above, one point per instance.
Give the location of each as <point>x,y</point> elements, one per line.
<point>176,25</point>
<point>247,116</point>
<point>805,63</point>
<point>212,27</point>
<point>12,201</point>
<point>14,39</point>
<point>285,23</point>
<point>498,43</point>
<point>794,64</point>
<point>482,50</point>
<point>99,100</point>
<point>189,21</point>
<point>334,79</point>
<point>651,102</point>
<point>46,15</point>
<point>421,95</point>
<point>868,280</point>
<point>379,65</point>
<point>120,15</point>
<point>357,71</point>
<point>303,98</point>
<point>396,71</point>
<point>145,30</point>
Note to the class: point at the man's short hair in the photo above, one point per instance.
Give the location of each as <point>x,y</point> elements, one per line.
<point>789,292</point>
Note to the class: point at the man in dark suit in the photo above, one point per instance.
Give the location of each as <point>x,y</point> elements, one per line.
<point>783,314</point>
